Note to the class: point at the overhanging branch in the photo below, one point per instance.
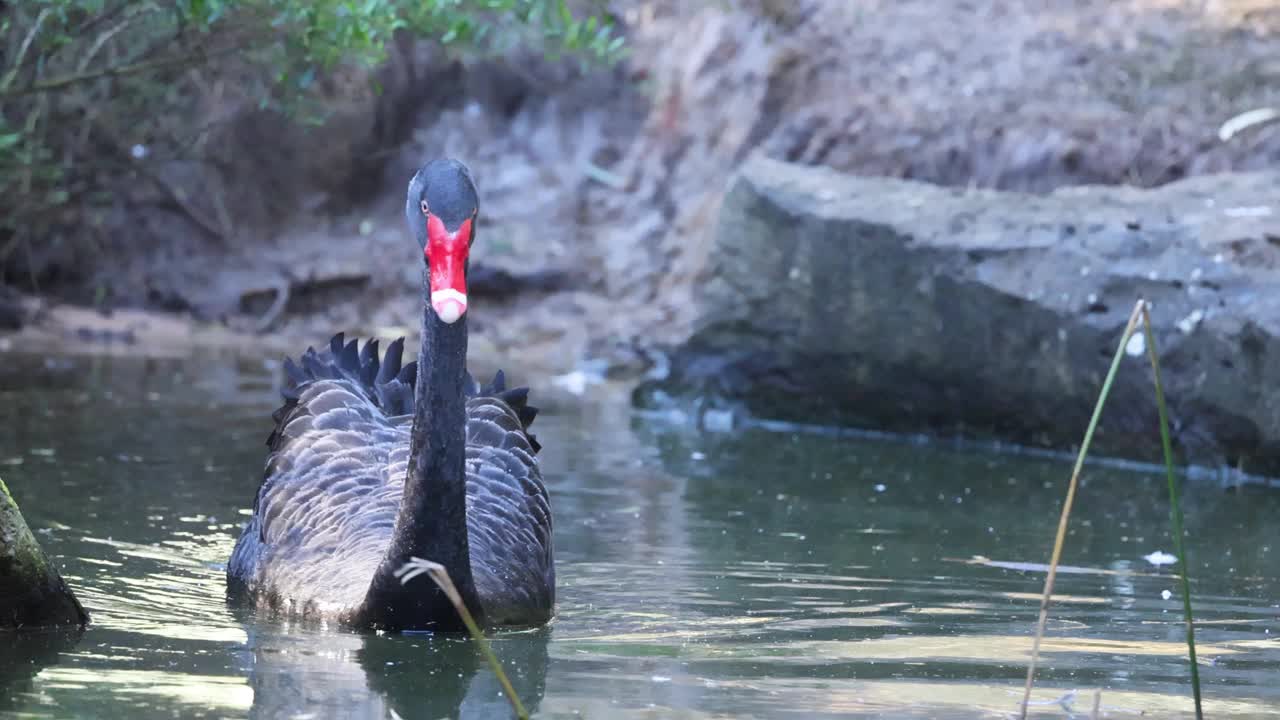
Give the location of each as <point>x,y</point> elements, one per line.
<point>117,70</point>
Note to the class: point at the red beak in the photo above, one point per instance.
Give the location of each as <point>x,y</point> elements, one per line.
<point>447,256</point>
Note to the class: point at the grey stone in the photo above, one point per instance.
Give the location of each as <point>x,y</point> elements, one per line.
<point>903,306</point>
<point>32,593</point>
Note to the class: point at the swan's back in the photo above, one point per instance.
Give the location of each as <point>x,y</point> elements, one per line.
<point>334,480</point>
<point>508,513</point>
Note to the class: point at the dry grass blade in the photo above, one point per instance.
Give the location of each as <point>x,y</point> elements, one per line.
<point>417,566</point>
<point>1071,496</point>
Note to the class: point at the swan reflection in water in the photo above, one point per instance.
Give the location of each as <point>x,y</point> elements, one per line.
<point>414,675</point>
<point>25,655</point>
<point>291,673</point>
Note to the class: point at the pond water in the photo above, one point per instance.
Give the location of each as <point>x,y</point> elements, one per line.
<point>701,576</point>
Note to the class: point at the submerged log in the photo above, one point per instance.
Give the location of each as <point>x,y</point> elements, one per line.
<point>32,593</point>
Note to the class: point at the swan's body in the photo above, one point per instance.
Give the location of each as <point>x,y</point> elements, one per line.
<point>372,464</point>
<point>324,514</point>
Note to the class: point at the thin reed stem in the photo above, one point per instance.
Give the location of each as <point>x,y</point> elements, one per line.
<point>1175,509</point>
<point>1071,496</point>
<point>418,566</point>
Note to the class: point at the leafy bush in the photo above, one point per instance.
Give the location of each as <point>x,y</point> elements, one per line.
<point>99,92</point>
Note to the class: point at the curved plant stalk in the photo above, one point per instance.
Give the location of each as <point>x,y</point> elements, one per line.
<point>417,566</point>
<point>1140,309</point>
<point>1175,509</point>
<point>22,51</point>
<point>1071,496</point>
<point>136,68</point>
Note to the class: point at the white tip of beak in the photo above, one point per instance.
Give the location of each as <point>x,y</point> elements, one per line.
<point>449,305</point>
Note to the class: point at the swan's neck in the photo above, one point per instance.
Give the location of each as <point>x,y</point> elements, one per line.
<point>432,523</point>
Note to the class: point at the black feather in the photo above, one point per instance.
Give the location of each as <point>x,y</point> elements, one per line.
<point>391,361</point>
<point>409,373</point>
<point>313,367</point>
<point>292,373</point>
<point>369,353</point>
<point>386,382</point>
<point>518,397</point>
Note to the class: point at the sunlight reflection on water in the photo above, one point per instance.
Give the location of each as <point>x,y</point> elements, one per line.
<point>753,575</point>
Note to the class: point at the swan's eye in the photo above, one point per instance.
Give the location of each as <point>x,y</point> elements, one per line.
<point>425,209</point>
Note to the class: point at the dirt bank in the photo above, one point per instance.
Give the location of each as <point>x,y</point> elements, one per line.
<point>599,189</point>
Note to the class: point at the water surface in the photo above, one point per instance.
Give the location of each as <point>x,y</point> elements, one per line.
<point>701,576</point>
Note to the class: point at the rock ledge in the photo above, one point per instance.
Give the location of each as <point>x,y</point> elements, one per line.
<point>903,306</point>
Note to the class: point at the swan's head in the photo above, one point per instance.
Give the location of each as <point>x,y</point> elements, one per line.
<point>441,210</point>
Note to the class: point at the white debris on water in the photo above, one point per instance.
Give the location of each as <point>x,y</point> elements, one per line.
<point>880,487</point>
<point>1136,346</point>
<point>1165,594</point>
<point>575,381</point>
<point>1191,322</point>
<point>717,420</point>
<point>1254,211</point>
<point>695,455</point>
<point>1160,557</point>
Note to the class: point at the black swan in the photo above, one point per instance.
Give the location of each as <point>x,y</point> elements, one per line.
<point>372,464</point>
